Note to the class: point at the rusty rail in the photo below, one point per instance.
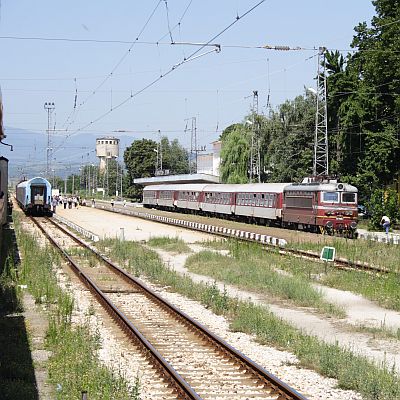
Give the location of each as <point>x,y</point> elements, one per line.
<point>285,391</point>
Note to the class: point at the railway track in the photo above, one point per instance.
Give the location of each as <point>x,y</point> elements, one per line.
<point>194,362</point>
<point>269,243</point>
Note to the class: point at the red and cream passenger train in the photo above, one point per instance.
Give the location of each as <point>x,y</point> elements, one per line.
<point>326,207</point>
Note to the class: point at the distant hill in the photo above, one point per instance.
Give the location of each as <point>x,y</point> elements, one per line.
<point>29,151</point>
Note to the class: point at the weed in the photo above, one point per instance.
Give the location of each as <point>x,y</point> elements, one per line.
<point>74,365</point>
<point>173,245</point>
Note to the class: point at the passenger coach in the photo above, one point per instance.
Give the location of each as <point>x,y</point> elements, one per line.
<point>34,196</point>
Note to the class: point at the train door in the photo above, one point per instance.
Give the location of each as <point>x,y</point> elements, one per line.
<point>38,195</point>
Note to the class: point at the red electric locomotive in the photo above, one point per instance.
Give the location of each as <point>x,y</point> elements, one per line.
<point>329,207</point>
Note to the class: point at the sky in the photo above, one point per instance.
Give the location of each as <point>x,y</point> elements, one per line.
<point>117,73</point>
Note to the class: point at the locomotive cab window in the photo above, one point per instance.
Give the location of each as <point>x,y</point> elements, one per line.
<point>330,197</point>
<point>349,197</point>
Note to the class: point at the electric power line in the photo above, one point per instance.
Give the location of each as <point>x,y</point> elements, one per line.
<point>191,57</point>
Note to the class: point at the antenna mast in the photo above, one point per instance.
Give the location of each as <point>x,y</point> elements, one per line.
<point>320,167</point>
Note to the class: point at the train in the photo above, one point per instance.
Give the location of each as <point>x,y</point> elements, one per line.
<point>34,196</point>
<point>314,206</point>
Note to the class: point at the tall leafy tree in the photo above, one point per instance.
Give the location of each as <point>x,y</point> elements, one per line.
<point>140,161</point>
<point>366,98</point>
<point>175,157</point>
<point>235,155</point>
<point>288,137</point>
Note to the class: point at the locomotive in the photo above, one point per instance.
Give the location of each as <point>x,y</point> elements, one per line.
<point>34,196</point>
<point>315,206</point>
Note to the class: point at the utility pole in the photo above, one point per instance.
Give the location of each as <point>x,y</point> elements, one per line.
<point>50,107</point>
<point>193,144</point>
<point>159,159</point>
<point>255,158</point>
<point>320,167</point>
<point>193,147</point>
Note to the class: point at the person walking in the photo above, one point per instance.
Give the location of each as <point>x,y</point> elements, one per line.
<point>112,203</point>
<point>54,203</point>
<point>385,222</point>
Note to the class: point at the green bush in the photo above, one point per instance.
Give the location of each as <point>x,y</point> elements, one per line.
<point>383,202</point>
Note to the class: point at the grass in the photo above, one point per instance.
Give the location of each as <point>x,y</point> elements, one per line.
<point>375,253</point>
<point>172,245</point>
<point>251,268</point>
<point>353,372</point>
<point>381,288</point>
<point>73,365</point>
<point>217,244</point>
<point>17,375</point>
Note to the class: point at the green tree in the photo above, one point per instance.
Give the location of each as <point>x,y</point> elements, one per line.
<point>287,140</point>
<point>364,99</point>
<point>235,155</point>
<point>175,157</point>
<point>140,160</point>
<point>383,202</point>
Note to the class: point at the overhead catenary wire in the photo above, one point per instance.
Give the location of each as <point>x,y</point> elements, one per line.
<point>132,44</point>
<point>194,55</point>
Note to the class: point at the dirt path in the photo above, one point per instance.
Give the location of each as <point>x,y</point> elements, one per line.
<point>359,310</point>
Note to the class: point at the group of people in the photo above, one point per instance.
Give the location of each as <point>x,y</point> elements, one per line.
<point>66,201</point>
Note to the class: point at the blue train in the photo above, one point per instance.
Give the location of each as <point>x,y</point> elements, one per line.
<point>34,196</point>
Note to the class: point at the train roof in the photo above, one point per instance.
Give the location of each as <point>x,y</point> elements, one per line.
<point>37,180</point>
<point>318,186</point>
<point>223,188</point>
<point>247,187</point>
<point>195,187</point>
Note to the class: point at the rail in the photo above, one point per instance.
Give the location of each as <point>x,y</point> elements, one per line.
<point>286,392</point>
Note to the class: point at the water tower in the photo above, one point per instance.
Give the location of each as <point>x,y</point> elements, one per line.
<point>106,147</point>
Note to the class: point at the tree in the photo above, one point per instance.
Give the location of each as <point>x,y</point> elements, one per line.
<point>140,160</point>
<point>175,157</point>
<point>364,96</point>
<point>235,155</point>
<point>287,138</point>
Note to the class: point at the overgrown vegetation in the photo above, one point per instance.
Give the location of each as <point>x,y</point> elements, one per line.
<point>248,267</point>
<point>352,371</point>
<point>374,253</point>
<point>73,366</point>
<point>17,378</point>
<point>173,245</point>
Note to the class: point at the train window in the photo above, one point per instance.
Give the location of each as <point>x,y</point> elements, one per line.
<point>330,197</point>
<point>270,200</point>
<point>349,197</point>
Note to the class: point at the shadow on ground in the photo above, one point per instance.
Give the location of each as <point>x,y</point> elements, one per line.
<point>17,375</point>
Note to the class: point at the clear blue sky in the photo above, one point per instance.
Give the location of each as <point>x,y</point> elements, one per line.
<point>216,88</point>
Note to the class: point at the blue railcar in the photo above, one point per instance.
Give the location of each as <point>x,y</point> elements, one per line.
<point>34,196</point>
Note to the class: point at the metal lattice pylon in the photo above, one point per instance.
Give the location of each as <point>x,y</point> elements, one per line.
<point>320,167</point>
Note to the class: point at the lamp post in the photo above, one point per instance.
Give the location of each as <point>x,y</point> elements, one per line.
<point>50,107</point>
